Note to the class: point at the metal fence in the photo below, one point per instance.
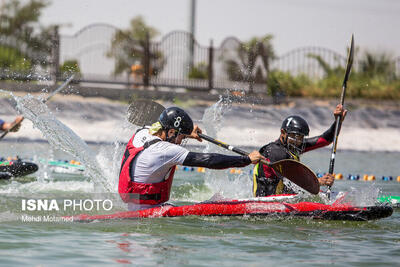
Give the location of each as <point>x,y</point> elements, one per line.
<point>175,61</point>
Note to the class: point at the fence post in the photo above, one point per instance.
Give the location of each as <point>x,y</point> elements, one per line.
<point>55,55</point>
<point>210,66</point>
<point>146,74</point>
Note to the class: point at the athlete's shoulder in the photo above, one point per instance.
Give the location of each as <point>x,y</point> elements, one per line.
<point>276,145</point>
<point>274,151</point>
<point>141,137</point>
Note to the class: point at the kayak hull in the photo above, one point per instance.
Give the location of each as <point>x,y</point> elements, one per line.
<point>64,167</point>
<point>393,201</point>
<point>253,208</point>
<point>17,168</point>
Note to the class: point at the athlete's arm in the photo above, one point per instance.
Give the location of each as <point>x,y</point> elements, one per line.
<point>327,137</point>
<point>272,152</point>
<point>320,141</point>
<point>215,160</point>
<point>6,126</point>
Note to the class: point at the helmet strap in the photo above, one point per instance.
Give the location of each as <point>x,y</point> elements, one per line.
<point>171,139</point>
<point>291,148</point>
<point>283,137</point>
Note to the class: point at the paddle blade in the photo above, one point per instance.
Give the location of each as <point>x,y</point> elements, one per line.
<point>349,62</point>
<point>298,173</point>
<point>144,112</point>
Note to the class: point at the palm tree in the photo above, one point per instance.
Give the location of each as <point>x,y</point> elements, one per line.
<point>23,40</point>
<point>248,52</point>
<point>129,47</point>
<point>379,65</point>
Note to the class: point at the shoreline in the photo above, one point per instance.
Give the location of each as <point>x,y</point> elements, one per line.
<point>103,121</point>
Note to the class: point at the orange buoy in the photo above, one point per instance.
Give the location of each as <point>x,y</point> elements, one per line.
<point>371,178</point>
<point>339,176</point>
<point>398,178</point>
<point>365,177</point>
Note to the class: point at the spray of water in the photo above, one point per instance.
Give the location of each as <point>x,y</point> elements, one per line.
<point>62,137</point>
<point>358,197</point>
<point>219,181</point>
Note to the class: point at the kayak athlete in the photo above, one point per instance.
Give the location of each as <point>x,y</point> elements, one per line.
<point>290,145</point>
<point>151,156</point>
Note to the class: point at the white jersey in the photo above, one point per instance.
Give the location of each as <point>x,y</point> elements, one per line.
<point>154,164</point>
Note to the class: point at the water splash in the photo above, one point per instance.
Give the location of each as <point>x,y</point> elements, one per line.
<point>214,115</point>
<point>358,197</point>
<point>62,137</point>
<point>111,163</point>
<point>219,181</point>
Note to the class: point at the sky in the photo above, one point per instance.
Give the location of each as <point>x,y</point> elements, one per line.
<point>293,23</point>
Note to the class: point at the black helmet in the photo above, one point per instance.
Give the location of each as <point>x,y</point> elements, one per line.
<point>176,118</point>
<point>295,124</point>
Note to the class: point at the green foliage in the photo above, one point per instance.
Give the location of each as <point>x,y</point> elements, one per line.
<point>245,69</point>
<point>233,70</point>
<point>329,71</point>
<point>70,67</point>
<point>19,22</point>
<point>128,48</point>
<point>378,66</point>
<point>200,71</point>
<point>12,60</point>
<point>284,82</point>
<point>374,79</point>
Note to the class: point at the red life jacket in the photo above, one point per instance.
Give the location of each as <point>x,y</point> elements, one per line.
<point>141,193</point>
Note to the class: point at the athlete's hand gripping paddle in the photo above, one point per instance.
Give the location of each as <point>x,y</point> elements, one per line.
<point>338,119</point>
<point>295,171</point>
<point>61,87</point>
<point>146,112</point>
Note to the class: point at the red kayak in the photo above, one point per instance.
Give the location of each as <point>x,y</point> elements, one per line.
<point>253,208</point>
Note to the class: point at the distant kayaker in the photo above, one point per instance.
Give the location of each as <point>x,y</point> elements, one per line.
<point>151,156</point>
<point>290,145</point>
<point>8,126</point>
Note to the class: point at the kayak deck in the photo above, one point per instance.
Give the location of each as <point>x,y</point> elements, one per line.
<point>64,167</point>
<point>253,208</point>
<point>16,168</point>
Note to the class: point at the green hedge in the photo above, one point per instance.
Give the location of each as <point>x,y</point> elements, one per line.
<point>13,60</point>
<point>359,85</point>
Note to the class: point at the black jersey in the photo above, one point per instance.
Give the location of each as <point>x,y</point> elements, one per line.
<point>266,181</point>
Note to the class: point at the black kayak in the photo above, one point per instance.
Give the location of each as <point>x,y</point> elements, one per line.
<point>16,168</point>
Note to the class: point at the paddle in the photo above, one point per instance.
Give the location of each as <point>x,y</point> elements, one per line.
<point>338,119</point>
<point>140,113</point>
<point>293,170</point>
<point>62,86</point>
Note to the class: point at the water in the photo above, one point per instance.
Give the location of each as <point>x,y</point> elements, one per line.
<point>194,241</point>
